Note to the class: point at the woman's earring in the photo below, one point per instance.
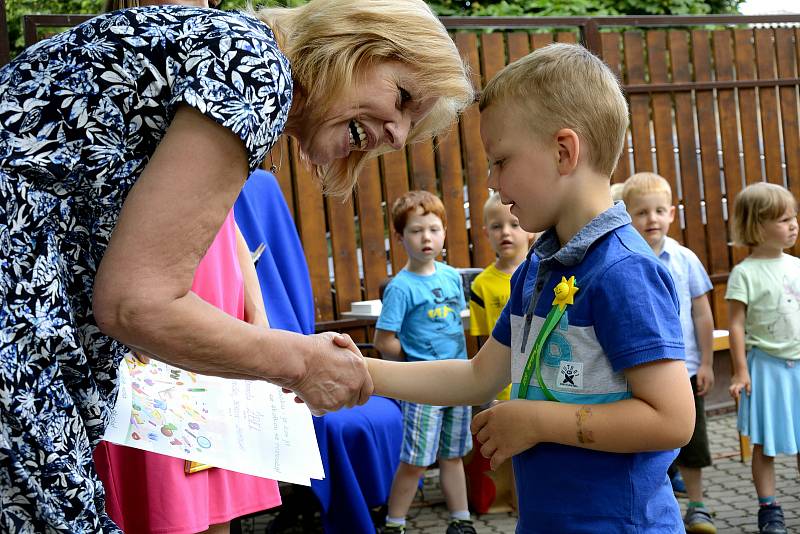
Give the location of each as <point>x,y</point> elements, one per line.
<point>272,167</point>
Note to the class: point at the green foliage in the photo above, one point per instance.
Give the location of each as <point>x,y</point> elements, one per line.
<point>15,9</point>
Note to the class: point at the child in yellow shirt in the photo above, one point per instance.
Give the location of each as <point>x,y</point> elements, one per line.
<point>490,290</point>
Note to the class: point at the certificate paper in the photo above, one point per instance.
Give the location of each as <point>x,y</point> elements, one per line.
<point>246,426</point>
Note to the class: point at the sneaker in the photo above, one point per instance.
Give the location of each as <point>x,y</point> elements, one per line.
<point>770,520</point>
<point>698,521</point>
<point>392,528</point>
<point>678,485</point>
<point>460,526</point>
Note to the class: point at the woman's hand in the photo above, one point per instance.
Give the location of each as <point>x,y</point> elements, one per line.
<point>740,381</point>
<point>335,374</point>
<point>505,429</point>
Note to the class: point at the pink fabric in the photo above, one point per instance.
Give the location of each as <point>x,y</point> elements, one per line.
<point>149,493</point>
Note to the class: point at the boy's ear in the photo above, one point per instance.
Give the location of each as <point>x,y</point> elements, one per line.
<point>569,148</point>
<point>671,214</point>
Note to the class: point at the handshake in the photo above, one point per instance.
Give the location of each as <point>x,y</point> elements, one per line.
<point>333,375</point>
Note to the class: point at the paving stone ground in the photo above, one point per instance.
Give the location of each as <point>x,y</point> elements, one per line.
<point>729,495</point>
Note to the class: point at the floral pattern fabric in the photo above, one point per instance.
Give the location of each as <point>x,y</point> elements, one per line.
<point>81,113</point>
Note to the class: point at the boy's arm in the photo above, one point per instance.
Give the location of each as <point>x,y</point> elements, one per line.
<point>741,377</point>
<point>659,416</point>
<point>446,382</point>
<point>704,332</point>
<point>388,345</point>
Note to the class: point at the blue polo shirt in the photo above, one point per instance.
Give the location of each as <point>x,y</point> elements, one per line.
<point>691,281</point>
<point>625,314</point>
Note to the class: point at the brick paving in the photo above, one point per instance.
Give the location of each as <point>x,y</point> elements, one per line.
<point>729,495</point>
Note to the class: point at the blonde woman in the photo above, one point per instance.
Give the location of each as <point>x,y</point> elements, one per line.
<point>145,122</point>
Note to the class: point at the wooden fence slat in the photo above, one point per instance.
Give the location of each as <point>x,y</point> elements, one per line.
<point>611,55</point>
<point>540,40</point>
<point>493,55</point>
<point>342,228</point>
<point>567,37</point>
<point>475,164</point>
<point>395,184</point>
<point>787,66</point>
<point>452,181</point>
<point>745,70</point>
<point>310,222</point>
<point>371,226</point>
<point>423,168</point>
<point>518,45</point>
<point>767,96</point>
<point>729,129</point>
<point>687,147</point>
<point>719,261</point>
<point>639,103</point>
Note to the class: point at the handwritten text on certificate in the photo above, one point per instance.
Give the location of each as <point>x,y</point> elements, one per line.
<point>246,426</point>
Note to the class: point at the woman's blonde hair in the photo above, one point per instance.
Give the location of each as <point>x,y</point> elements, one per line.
<point>755,205</point>
<point>330,42</point>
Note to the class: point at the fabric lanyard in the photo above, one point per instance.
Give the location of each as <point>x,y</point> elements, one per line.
<point>564,291</point>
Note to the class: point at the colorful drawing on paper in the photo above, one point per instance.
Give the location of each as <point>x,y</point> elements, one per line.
<point>170,410</point>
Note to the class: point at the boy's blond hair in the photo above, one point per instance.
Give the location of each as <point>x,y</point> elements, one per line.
<point>410,201</point>
<point>566,86</point>
<point>492,202</point>
<point>755,205</point>
<point>329,43</point>
<point>643,183</point>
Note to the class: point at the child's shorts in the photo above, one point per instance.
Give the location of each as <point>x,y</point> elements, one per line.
<point>696,453</point>
<point>434,431</point>
<point>770,415</point>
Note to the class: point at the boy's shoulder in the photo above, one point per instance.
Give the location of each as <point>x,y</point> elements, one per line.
<point>680,252</point>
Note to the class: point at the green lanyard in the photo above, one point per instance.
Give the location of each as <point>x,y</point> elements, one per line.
<point>564,291</point>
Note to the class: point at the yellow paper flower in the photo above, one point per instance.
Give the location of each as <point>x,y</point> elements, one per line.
<point>565,291</point>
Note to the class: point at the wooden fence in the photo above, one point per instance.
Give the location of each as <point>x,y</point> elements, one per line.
<point>714,106</point>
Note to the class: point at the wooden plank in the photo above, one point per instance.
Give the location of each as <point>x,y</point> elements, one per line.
<point>310,220</point>
<point>729,129</point>
<point>540,40</point>
<point>343,249</point>
<point>719,305</point>
<point>371,227</point>
<point>687,147</point>
<point>768,99</point>
<point>745,70</point>
<point>423,168</point>
<point>452,181</point>
<point>518,45</point>
<point>567,37</point>
<point>281,159</point>
<point>475,165</point>
<point>787,66</point>
<point>639,103</point>
<point>719,257</point>
<point>493,54</point>
<point>612,57</point>
<point>395,184</point>
<point>662,119</point>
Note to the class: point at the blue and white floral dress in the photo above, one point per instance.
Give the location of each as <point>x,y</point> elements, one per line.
<point>80,115</point>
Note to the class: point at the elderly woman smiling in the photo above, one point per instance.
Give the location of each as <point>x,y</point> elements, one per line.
<point>123,145</point>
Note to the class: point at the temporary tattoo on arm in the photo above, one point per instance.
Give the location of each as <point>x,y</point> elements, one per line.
<point>582,415</point>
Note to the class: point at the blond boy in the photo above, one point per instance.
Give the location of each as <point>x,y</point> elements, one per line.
<point>490,290</point>
<point>595,458</point>
<point>648,198</point>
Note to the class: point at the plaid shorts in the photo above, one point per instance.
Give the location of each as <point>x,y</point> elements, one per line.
<point>431,432</point>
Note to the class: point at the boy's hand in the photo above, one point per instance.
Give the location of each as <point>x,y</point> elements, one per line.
<point>705,379</point>
<point>504,430</point>
<point>739,381</point>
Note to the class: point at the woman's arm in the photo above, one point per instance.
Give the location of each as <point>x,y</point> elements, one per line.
<point>446,382</point>
<point>659,416</point>
<point>704,332</point>
<point>142,289</point>
<point>737,311</point>
<point>254,311</point>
